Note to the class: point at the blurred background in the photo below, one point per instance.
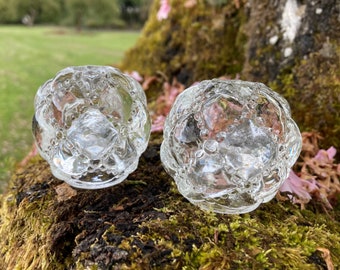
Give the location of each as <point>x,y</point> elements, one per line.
<point>79,13</point>
<point>40,37</point>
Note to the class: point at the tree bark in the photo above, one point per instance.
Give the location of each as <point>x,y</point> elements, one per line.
<point>292,46</point>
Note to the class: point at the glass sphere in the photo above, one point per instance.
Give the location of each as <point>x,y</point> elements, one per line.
<point>91,125</point>
<point>229,144</point>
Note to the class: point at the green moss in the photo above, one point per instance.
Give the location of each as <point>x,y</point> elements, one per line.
<point>312,87</point>
<point>25,222</point>
<point>181,46</point>
<point>144,223</point>
<point>251,241</point>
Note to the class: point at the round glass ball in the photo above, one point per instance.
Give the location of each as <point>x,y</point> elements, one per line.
<point>91,125</point>
<point>229,144</point>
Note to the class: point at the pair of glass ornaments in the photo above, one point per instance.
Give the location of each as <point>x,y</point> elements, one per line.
<point>228,144</point>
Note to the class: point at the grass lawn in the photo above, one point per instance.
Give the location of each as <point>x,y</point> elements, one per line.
<point>31,55</point>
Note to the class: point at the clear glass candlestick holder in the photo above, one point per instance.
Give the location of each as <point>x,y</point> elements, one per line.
<point>229,144</point>
<point>91,125</point>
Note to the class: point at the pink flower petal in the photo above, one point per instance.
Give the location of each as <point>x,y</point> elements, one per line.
<point>325,155</point>
<point>164,10</point>
<point>158,124</point>
<point>298,186</point>
<point>175,90</point>
<point>134,74</point>
<point>331,152</point>
<point>319,155</point>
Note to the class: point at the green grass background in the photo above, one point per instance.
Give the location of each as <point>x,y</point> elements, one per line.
<point>31,55</point>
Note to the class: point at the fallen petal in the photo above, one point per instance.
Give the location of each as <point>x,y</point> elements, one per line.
<point>331,152</point>
<point>164,10</point>
<point>135,74</point>
<point>158,124</point>
<point>298,186</point>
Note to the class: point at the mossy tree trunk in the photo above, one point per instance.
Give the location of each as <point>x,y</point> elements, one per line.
<point>144,223</point>
<point>290,45</point>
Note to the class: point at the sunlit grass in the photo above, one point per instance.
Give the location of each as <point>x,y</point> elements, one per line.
<point>30,56</point>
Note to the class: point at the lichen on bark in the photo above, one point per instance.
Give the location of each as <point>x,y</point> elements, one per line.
<point>308,76</point>
<point>249,38</point>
